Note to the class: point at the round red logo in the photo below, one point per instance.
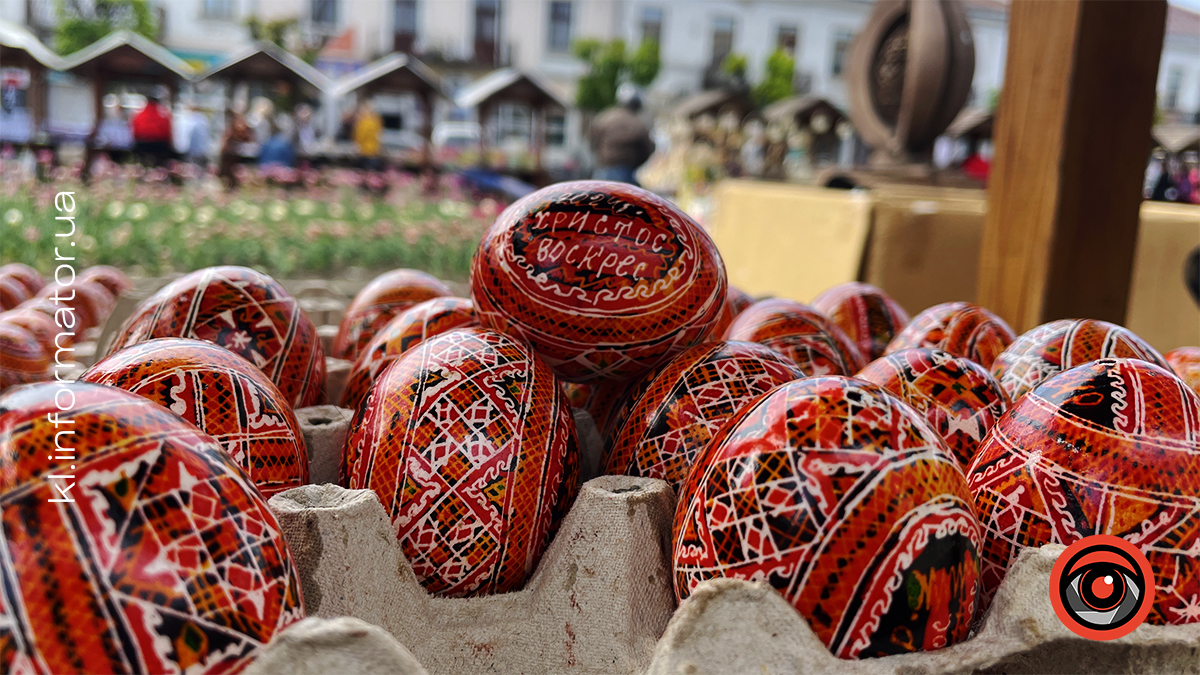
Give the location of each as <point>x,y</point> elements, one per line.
<point>1102,587</point>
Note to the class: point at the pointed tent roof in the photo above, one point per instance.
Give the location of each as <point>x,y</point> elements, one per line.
<point>509,84</point>
<point>266,61</point>
<point>126,53</point>
<point>398,72</point>
<point>17,43</point>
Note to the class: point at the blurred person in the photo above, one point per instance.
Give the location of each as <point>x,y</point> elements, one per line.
<point>306,133</point>
<point>198,136</point>
<point>259,118</point>
<point>152,132</point>
<point>280,149</point>
<point>368,129</point>
<point>1164,188</point>
<point>237,134</point>
<point>115,132</point>
<point>620,139</point>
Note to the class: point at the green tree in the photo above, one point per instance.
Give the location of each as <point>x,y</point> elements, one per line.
<point>597,88</point>
<point>734,66</point>
<point>80,22</point>
<point>776,84</point>
<point>274,31</point>
<point>645,64</point>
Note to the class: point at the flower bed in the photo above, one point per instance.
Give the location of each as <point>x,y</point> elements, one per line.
<point>149,223</point>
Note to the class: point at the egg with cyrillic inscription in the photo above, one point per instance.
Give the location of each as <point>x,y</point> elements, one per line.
<point>605,281</point>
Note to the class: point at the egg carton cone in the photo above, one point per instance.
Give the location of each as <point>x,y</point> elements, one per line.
<point>324,428</point>
<point>337,373</point>
<point>732,626</point>
<point>326,333</point>
<point>345,645</point>
<point>597,603</point>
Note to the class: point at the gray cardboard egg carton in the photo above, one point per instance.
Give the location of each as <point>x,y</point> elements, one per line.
<point>601,601</point>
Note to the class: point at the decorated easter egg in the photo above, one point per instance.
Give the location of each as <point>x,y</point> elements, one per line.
<point>26,275</point>
<point>22,357</point>
<point>958,397</point>
<point>159,555</point>
<point>688,402</point>
<point>960,328</point>
<point>90,301</point>
<point>224,396</point>
<point>379,302</point>
<point>604,280</point>
<point>868,316</point>
<point>736,302</point>
<point>40,326</point>
<point>470,446</point>
<point>244,311</point>
<point>113,279</point>
<point>605,400</point>
<point>1109,447</point>
<point>1185,361</point>
<point>1053,347</point>
<point>66,322</point>
<point>12,292</point>
<point>800,333</point>
<point>407,330</point>
<point>843,499</point>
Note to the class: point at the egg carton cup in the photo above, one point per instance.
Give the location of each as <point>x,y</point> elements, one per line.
<point>345,645</point>
<point>337,374</point>
<point>324,428</point>
<point>597,603</point>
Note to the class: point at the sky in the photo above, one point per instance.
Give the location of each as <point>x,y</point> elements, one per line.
<point>1193,5</point>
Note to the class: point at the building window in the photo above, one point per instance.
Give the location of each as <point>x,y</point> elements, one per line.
<point>652,20</point>
<point>217,9</point>
<point>556,129</point>
<point>722,39</point>
<point>560,26</point>
<point>405,22</point>
<point>325,12</point>
<point>841,51</point>
<point>487,31</point>
<point>785,39</point>
<point>1174,85</point>
<point>512,122</point>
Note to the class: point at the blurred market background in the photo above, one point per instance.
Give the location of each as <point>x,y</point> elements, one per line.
<point>332,139</point>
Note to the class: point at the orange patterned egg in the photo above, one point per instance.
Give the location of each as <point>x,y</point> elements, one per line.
<point>960,328</point>
<point>1053,347</point>
<point>413,326</point>
<point>605,281</point>
<point>91,302</point>
<point>166,559</point>
<point>800,333</point>
<point>868,316</point>
<point>224,396</point>
<point>736,302</point>
<point>113,279</point>
<point>379,302</point>
<point>840,497</point>
<point>244,311</point>
<point>958,397</point>
<point>1108,447</point>
<point>29,277</point>
<point>22,358</point>
<point>12,292</point>
<point>1185,361</point>
<point>41,326</point>
<point>66,322</point>
<point>469,444</point>
<point>686,403</point>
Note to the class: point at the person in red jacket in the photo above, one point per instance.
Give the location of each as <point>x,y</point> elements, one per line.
<point>152,132</point>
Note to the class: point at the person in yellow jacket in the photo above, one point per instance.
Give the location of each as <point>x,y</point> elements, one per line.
<point>368,127</point>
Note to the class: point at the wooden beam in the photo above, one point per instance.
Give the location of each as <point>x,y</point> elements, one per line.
<point>1071,129</point>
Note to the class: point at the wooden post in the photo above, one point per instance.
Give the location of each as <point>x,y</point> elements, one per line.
<point>1071,144</point>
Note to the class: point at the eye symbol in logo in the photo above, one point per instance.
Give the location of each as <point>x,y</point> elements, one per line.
<point>1102,587</point>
